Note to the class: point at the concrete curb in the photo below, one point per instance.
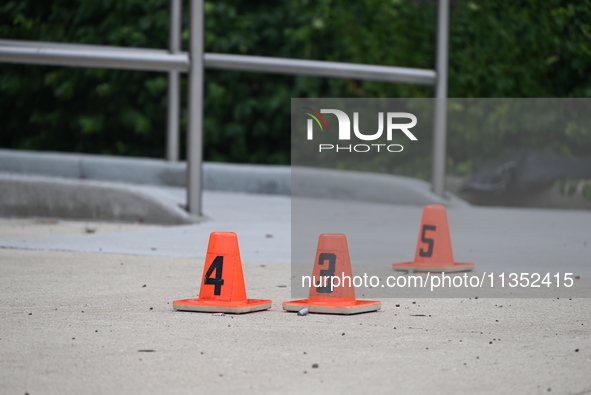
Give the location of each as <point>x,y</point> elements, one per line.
<point>26,196</point>
<point>97,187</point>
<point>264,179</point>
<point>246,178</point>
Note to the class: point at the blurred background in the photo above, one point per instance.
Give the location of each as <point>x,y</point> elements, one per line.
<point>498,49</point>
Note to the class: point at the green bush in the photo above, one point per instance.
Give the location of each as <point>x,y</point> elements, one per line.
<point>524,48</point>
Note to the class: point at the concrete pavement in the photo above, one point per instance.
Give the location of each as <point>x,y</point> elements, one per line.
<point>74,322</point>
<point>90,311</point>
<point>87,305</point>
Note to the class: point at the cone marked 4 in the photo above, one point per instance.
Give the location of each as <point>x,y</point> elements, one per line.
<point>222,285</point>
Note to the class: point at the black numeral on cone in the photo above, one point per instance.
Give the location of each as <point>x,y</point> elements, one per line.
<point>326,274</point>
<point>429,242</point>
<point>217,265</point>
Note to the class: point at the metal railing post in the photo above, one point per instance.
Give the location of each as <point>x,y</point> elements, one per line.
<point>195,110</point>
<point>173,114</point>
<point>440,111</point>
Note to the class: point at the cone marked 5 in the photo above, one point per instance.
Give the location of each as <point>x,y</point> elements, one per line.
<point>222,285</point>
<point>332,260</point>
<point>434,251</point>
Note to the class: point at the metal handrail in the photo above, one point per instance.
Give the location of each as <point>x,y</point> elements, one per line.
<point>44,53</point>
<point>319,68</point>
<point>50,53</point>
<point>193,62</point>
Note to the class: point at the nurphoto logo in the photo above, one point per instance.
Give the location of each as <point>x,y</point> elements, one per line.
<point>392,121</point>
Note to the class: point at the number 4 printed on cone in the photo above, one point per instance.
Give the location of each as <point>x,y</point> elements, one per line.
<point>218,281</point>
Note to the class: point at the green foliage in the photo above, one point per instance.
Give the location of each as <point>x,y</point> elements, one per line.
<point>498,48</point>
<point>79,109</point>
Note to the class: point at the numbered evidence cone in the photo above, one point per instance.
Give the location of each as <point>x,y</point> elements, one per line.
<point>328,296</point>
<point>434,253</point>
<point>222,285</point>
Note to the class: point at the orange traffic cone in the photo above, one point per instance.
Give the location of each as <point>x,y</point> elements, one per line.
<point>222,285</point>
<point>327,295</point>
<point>434,252</point>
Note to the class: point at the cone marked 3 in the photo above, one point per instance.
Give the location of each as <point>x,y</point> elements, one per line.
<point>332,260</point>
